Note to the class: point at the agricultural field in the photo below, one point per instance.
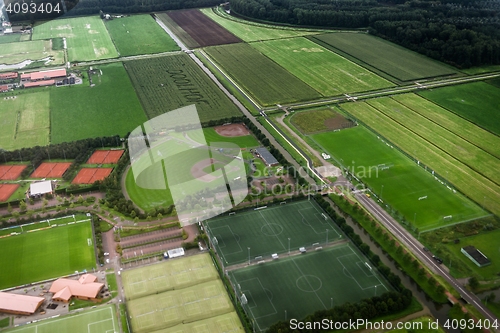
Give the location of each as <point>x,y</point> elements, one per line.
<point>86,37</point>
<point>80,111</point>
<point>167,83</point>
<point>267,82</point>
<point>320,120</point>
<point>10,38</point>
<point>477,102</point>
<point>398,181</point>
<point>480,189</point>
<point>24,119</point>
<point>102,319</point>
<point>37,50</point>
<point>139,34</point>
<point>325,71</point>
<point>185,38</point>
<point>394,60</point>
<point>250,31</point>
<point>44,254</point>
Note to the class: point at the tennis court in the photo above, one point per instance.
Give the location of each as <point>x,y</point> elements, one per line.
<point>257,234</point>
<point>6,190</point>
<point>296,286</point>
<point>11,172</point>
<point>105,157</point>
<point>90,175</point>
<point>51,170</point>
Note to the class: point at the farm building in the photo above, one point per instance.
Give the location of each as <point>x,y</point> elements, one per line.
<point>40,188</point>
<point>39,84</point>
<point>4,88</point>
<point>8,76</point>
<point>45,75</point>
<point>85,288</point>
<point>266,156</point>
<point>19,304</point>
<point>475,256</point>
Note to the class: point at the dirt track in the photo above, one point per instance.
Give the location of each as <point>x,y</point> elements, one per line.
<point>232,130</point>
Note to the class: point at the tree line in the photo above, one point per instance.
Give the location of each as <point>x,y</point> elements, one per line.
<point>463,33</point>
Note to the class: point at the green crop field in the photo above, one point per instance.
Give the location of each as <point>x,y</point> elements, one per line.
<point>250,31</point>
<point>465,179</point>
<point>402,184</point>
<point>139,34</point>
<point>102,319</point>
<point>43,254</point>
<point>267,82</point>
<point>25,119</point>
<point>477,102</point>
<point>271,230</point>
<point>86,37</point>
<point>80,111</point>
<point>167,83</point>
<point>389,58</point>
<point>297,286</point>
<point>325,71</point>
<point>13,53</point>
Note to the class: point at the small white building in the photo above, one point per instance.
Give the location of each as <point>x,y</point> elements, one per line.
<point>40,188</point>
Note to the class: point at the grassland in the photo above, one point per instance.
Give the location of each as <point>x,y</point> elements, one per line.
<point>250,31</point>
<point>44,254</point>
<point>139,34</point>
<point>267,82</point>
<point>86,37</point>
<point>24,119</point>
<point>13,53</point>
<point>402,184</point>
<point>389,58</point>
<point>10,38</point>
<point>80,111</point>
<point>167,83</point>
<point>465,179</point>
<point>476,102</point>
<point>210,135</point>
<point>323,70</point>
<point>319,120</point>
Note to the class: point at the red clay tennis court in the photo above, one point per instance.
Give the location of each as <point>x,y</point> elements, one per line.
<point>51,170</point>
<point>90,175</point>
<point>105,157</point>
<point>6,190</point>
<point>11,172</point>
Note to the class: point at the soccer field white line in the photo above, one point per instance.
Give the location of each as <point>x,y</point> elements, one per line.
<point>101,321</point>
<point>256,306</point>
<point>351,276</point>
<point>321,222</point>
<point>232,233</point>
<point>269,224</point>
<point>376,275</point>
<point>315,293</point>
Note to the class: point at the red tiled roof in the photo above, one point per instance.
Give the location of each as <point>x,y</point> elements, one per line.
<point>4,88</point>
<point>48,74</point>
<point>19,303</point>
<point>39,83</point>
<point>9,75</point>
<point>83,287</point>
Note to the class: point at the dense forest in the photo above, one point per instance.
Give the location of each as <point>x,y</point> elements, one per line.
<point>463,33</point>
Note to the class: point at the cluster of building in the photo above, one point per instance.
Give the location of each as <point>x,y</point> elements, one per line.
<point>58,77</point>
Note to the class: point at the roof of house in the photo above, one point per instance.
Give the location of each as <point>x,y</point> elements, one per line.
<point>476,255</point>
<point>267,156</point>
<point>39,83</point>
<point>48,74</point>
<point>41,187</point>
<point>85,286</point>
<point>20,303</point>
<point>4,87</point>
<point>9,75</point>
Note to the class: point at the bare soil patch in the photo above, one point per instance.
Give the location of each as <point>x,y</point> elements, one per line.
<point>232,130</point>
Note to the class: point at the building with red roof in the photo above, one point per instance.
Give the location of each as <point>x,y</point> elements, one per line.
<point>8,76</point>
<point>4,88</point>
<point>85,288</point>
<point>39,83</point>
<point>19,304</point>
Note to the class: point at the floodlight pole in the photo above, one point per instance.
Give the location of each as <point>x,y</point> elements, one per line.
<point>326,236</point>
<point>249,256</point>
<point>331,302</point>
<point>285,315</point>
<point>375,290</point>
<point>382,190</point>
<point>288,245</point>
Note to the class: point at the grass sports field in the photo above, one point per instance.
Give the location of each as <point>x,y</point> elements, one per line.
<point>271,230</point>
<point>477,102</point>
<point>86,37</point>
<point>387,57</point>
<point>139,34</point>
<point>49,253</point>
<point>470,182</point>
<point>100,320</point>
<point>251,31</point>
<point>323,70</point>
<point>267,82</point>
<point>79,112</point>
<point>247,141</point>
<point>296,286</point>
<point>14,53</point>
<point>320,120</point>
<point>25,120</point>
<point>402,184</point>
<point>167,83</point>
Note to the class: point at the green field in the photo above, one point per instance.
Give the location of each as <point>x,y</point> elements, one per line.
<point>13,53</point>
<point>297,286</point>
<point>80,111</point>
<point>468,181</point>
<point>319,120</point>
<point>86,37</point>
<point>402,184</point>
<point>167,83</point>
<point>10,38</point>
<point>99,320</point>
<point>247,141</point>
<point>139,34</point>
<point>477,102</point>
<point>43,254</point>
<point>325,71</point>
<point>387,57</point>
<point>25,119</point>
<point>251,31</point>
<point>271,230</point>
<point>267,82</point>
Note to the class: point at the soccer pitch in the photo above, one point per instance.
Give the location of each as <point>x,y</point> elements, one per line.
<point>296,286</point>
<point>256,235</point>
<point>101,320</point>
<point>42,254</point>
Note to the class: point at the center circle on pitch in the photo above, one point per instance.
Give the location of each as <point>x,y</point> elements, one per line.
<point>271,229</point>
<point>309,283</point>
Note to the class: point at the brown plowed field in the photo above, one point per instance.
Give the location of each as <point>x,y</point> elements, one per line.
<point>11,172</point>
<point>6,191</point>
<point>90,175</point>
<point>202,29</point>
<point>51,170</point>
<point>105,157</point>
